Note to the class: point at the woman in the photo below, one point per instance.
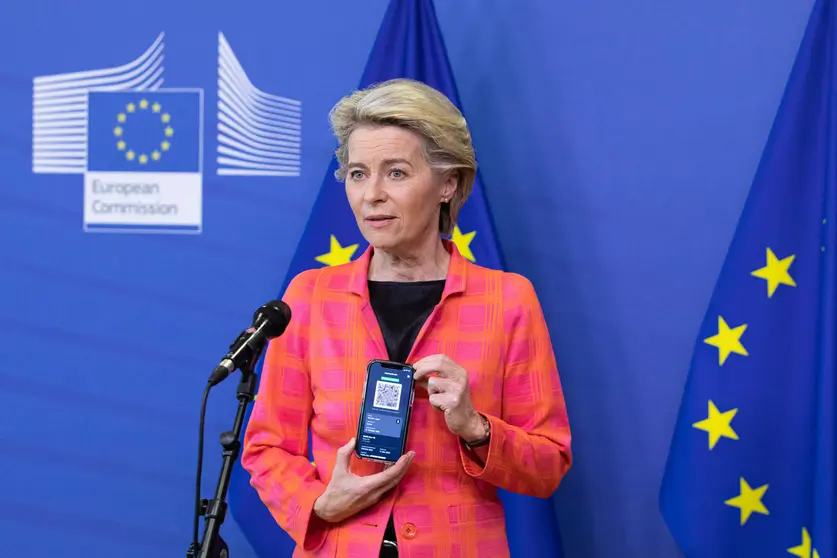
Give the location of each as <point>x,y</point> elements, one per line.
<point>488,411</point>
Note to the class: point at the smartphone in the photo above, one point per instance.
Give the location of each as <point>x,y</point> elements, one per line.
<point>385,411</point>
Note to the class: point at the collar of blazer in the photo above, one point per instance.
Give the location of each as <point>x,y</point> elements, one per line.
<point>454,282</point>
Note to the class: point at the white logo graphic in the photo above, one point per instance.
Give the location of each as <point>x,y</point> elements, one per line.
<point>259,134</point>
<point>59,111</point>
<point>139,147</point>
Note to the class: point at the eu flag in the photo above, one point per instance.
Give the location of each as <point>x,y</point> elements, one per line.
<point>751,469</point>
<point>144,131</point>
<point>409,45</point>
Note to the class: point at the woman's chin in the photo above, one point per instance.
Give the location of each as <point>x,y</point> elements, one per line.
<point>381,240</point>
<point>382,246</point>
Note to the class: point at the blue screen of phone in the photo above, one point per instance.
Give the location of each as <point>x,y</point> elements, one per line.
<point>383,423</point>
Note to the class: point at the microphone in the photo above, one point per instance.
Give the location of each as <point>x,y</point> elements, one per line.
<point>269,322</point>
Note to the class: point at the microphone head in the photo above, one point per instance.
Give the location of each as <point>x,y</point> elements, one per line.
<point>277,314</point>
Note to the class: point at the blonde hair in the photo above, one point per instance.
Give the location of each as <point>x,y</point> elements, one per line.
<point>417,107</point>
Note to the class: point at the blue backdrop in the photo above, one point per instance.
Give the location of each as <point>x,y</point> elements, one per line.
<point>617,142</point>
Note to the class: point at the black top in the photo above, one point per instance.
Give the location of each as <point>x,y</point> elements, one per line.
<point>401,309</point>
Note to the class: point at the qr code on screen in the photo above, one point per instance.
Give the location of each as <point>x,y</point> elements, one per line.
<point>387,395</point>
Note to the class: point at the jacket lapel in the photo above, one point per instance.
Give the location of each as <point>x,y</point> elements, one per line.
<point>454,284</point>
<point>359,286</point>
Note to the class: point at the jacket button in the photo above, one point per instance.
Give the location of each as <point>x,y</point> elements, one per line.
<point>409,531</point>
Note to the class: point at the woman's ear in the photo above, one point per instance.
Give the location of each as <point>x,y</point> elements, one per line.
<point>451,181</point>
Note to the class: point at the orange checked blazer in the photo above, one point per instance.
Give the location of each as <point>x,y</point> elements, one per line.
<point>446,506</point>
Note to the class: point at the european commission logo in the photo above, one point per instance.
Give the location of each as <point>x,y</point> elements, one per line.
<point>144,160</point>
<point>140,146</point>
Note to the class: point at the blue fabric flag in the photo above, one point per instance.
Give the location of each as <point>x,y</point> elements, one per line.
<point>751,469</point>
<point>410,45</point>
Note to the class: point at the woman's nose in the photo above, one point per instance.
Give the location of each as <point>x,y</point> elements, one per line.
<point>375,190</point>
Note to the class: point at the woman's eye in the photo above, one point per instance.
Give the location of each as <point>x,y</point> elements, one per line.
<point>397,173</point>
<point>356,175</point>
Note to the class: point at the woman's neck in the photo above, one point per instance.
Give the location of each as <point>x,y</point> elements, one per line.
<point>429,263</point>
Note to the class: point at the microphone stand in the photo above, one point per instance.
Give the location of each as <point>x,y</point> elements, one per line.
<point>214,510</point>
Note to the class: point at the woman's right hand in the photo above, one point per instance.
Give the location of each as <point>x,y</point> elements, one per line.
<point>348,493</point>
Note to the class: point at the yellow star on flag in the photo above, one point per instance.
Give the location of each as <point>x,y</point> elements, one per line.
<point>775,272</point>
<point>727,340</point>
<point>144,104</point>
<point>749,501</point>
<point>337,255</point>
<point>717,424</point>
<point>804,548</point>
<point>463,242</point>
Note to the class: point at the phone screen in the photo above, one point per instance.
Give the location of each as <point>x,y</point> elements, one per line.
<point>385,414</point>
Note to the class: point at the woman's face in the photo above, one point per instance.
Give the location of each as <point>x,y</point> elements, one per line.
<point>393,193</point>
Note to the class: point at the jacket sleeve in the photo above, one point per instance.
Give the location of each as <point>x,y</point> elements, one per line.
<point>275,451</point>
<point>529,449</point>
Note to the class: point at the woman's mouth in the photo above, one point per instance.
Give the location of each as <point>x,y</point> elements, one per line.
<point>379,221</point>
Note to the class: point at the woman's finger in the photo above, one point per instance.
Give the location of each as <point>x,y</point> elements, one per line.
<point>441,385</point>
<point>441,401</point>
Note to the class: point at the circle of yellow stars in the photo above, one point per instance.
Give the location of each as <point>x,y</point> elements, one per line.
<point>119,131</point>
<point>718,424</point>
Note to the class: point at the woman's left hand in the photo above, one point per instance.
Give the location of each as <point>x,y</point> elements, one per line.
<point>447,384</point>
